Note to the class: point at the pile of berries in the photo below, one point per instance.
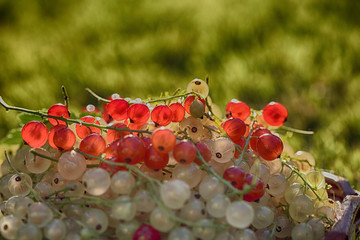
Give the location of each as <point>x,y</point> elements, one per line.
<point>166,168</point>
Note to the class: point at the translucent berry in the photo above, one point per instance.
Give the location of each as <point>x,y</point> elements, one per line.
<point>155,160</point>
<point>113,135</point>
<point>52,133</point>
<point>117,109</point>
<point>35,134</point>
<point>239,214</point>
<point>257,190</point>
<point>185,152</point>
<point>197,109</point>
<point>269,146</point>
<point>131,150</point>
<point>275,114</point>
<point>199,86</point>
<point>37,164</point>
<point>161,115</point>
<point>236,176</point>
<point>237,109</point>
<point>93,144</point>
<point>255,137</point>
<point>83,131</point>
<point>71,165</point>
<point>174,193</point>
<point>138,113</point>
<point>163,140</point>
<point>178,112</point>
<point>64,139</point>
<point>58,110</point>
<point>96,181</point>
<point>234,128</point>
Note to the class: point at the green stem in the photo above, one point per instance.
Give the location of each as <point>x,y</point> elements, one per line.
<point>33,151</point>
<point>297,130</point>
<point>245,147</point>
<point>293,170</point>
<point>68,120</point>
<point>66,96</point>
<point>100,99</point>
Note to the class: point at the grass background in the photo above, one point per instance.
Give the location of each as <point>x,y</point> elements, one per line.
<point>304,54</point>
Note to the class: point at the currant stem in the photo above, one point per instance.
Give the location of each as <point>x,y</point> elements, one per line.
<point>43,156</point>
<point>245,147</point>
<point>294,170</point>
<point>297,130</point>
<point>100,99</point>
<point>67,120</point>
<point>66,96</point>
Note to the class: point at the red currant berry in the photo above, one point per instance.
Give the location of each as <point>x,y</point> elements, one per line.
<point>163,140</point>
<point>83,131</point>
<point>64,139</point>
<point>257,191</point>
<point>269,146</point>
<point>237,109</point>
<point>234,128</point>
<point>117,109</point>
<point>115,134</point>
<point>178,112</point>
<point>131,150</point>
<point>111,150</point>
<point>236,176</point>
<point>35,134</point>
<point>255,137</point>
<point>147,142</point>
<point>138,113</point>
<point>146,232</point>
<point>58,110</point>
<point>204,151</point>
<point>51,135</point>
<point>155,160</point>
<point>188,102</point>
<point>185,152</point>
<point>275,114</point>
<point>161,115</point>
<point>93,144</point>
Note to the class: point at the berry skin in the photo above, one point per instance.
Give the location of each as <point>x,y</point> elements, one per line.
<point>35,134</point>
<point>117,109</point>
<point>204,151</point>
<point>138,113</point>
<point>146,232</point>
<point>237,109</point>
<point>257,191</point>
<point>155,160</point>
<point>64,139</point>
<point>178,112</point>
<point>269,146</point>
<point>234,128</point>
<point>58,110</point>
<point>236,176</point>
<point>185,152</point>
<point>161,115</point>
<point>131,150</point>
<point>113,135</point>
<point>163,140</point>
<point>255,137</point>
<point>83,131</point>
<point>93,144</point>
<point>188,102</point>
<point>275,114</point>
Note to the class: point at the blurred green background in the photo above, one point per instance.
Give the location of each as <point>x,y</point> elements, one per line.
<point>304,54</point>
